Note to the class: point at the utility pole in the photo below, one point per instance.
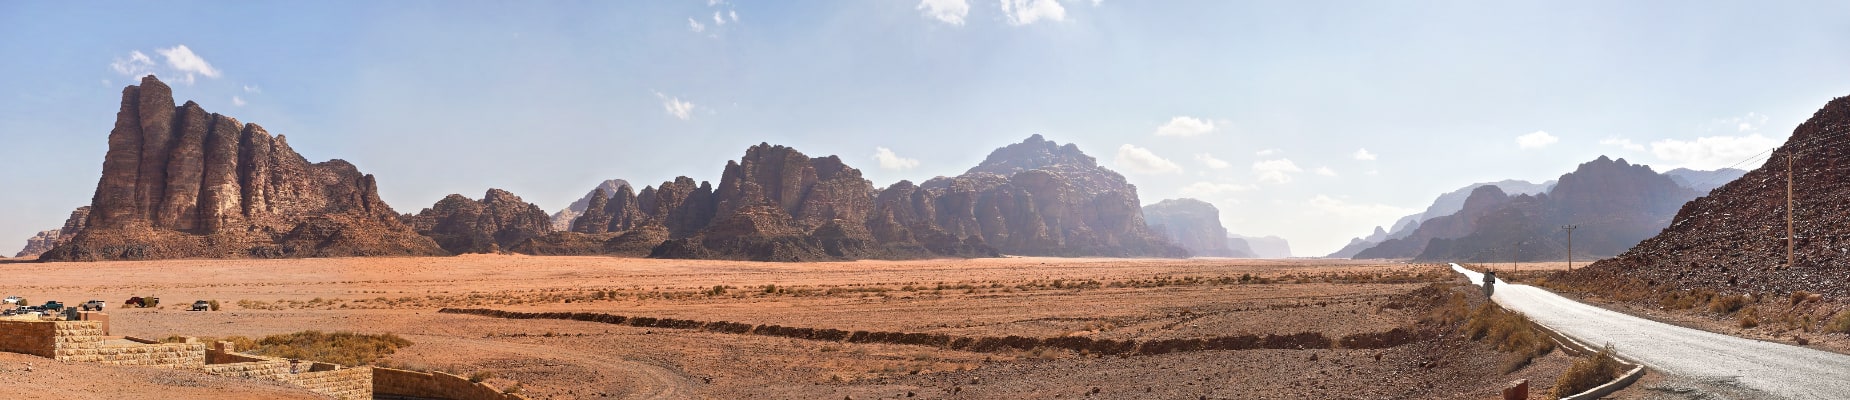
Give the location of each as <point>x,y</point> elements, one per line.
<point>1790,237</point>
<point>1570,245</point>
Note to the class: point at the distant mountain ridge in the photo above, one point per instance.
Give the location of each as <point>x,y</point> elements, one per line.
<point>1194,225</point>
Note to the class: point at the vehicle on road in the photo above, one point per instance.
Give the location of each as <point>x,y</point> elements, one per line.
<point>201,305</point>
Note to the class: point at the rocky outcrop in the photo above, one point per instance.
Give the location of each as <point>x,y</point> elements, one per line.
<point>1262,246</point>
<point>179,182</point>
<point>499,221</point>
<point>1734,239</point>
<point>1192,224</point>
<point>1482,201</point>
<point>562,220</point>
<point>1356,245</point>
<point>1615,204</point>
<point>46,240</point>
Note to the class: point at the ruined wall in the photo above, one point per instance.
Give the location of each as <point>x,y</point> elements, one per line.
<point>329,379</point>
<point>28,337</point>
<point>173,355</point>
<point>436,385</point>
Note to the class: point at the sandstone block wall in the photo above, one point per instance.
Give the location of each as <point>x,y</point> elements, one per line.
<point>28,337</point>
<point>179,355</point>
<point>435,385</point>
<point>323,378</point>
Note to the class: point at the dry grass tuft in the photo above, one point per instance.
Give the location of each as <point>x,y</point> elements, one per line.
<point>1510,332</point>
<point>1588,372</point>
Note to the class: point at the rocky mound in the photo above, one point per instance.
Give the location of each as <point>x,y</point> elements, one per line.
<point>179,182</point>
<point>562,220</point>
<point>500,220</point>
<point>1192,224</point>
<point>1733,239</point>
<point>46,240</point>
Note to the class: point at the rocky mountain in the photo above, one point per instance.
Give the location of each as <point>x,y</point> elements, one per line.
<point>1704,181</point>
<point>1483,200</point>
<point>461,225</point>
<point>562,220</point>
<point>1261,246</point>
<point>1615,204</point>
<point>1192,224</point>
<point>777,204</point>
<point>46,240</point>
<point>179,182</point>
<point>1733,239</point>
<point>1356,245</point>
<point>1446,204</point>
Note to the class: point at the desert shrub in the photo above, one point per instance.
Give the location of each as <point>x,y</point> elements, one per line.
<point>1839,323</point>
<point>1588,372</point>
<point>480,376</point>
<point>1728,304</point>
<point>213,304</point>
<point>344,348</point>
<point>1510,332</point>
<point>1750,318</point>
<point>1799,297</point>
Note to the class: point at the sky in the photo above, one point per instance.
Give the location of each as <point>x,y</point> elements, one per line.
<point>1310,120</point>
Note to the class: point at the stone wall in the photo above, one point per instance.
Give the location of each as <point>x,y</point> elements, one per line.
<point>28,337</point>
<point>176,355</point>
<point>434,385</point>
<point>323,378</point>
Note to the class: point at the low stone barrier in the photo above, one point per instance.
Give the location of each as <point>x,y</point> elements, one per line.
<point>986,344</point>
<point>390,382</point>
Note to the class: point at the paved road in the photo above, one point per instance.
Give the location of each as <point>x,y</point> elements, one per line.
<point>1763,368</point>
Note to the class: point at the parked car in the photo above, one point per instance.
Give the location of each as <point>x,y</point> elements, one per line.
<point>53,305</point>
<point>201,305</point>
<point>92,305</point>
<point>15,300</point>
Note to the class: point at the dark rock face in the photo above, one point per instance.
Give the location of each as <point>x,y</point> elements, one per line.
<point>1192,224</point>
<point>1615,204</point>
<point>46,240</point>
<point>179,182</point>
<point>1733,239</point>
<point>500,220</point>
<point>562,220</point>
<point>1482,201</point>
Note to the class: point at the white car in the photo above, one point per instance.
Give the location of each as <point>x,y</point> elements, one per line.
<point>12,300</point>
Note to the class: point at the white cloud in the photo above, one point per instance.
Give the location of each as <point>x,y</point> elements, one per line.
<point>1327,206</point>
<point>734,14</point>
<point>1325,171</point>
<point>679,109</point>
<point>1622,143</point>
<point>711,3</point>
<point>1536,140</point>
<point>1364,155</point>
<point>696,26</point>
<point>1211,162</point>
<point>718,19</point>
<point>1023,12</point>
<point>1711,152</point>
<point>252,89</point>
<point>1267,152</point>
<point>946,11</point>
<point>135,66</point>
<point>1214,190</point>
<point>1185,127</point>
<point>1276,171</point>
<point>1143,161</point>
<point>888,160</point>
<point>1752,122</point>
<point>237,101</point>
<point>182,60</point>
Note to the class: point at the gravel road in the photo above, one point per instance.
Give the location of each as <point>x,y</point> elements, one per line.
<point>1765,369</point>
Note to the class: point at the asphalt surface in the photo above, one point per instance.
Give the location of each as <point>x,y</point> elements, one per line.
<point>1758,368</point>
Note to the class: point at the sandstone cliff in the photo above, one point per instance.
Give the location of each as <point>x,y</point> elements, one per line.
<point>1482,201</point>
<point>179,182</point>
<point>1733,239</point>
<point>499,221</point>
<point>1192,224</point>
<point>562,220</point>
<point>46,240</point>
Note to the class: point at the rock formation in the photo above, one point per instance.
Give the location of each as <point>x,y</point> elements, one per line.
<point>562,220</point>
<point>1704,181</point>
<point>1262,246</point>
<point>499,221</point>
<point>1733,239</point>
<point>1614,203</point>
<point>1192,224</point>
<point>46,240</point>
<point>1356,245</point>
<point>179,182</point>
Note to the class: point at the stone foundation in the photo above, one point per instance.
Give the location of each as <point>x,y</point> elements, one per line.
<point>433,385</point>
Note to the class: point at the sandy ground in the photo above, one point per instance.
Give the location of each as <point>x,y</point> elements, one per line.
<point>1099,298</point>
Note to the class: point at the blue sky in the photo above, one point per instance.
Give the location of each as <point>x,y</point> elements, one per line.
<point>1311,120</point>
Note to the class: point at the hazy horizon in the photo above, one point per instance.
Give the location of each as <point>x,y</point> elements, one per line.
<point>1312,121</point>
